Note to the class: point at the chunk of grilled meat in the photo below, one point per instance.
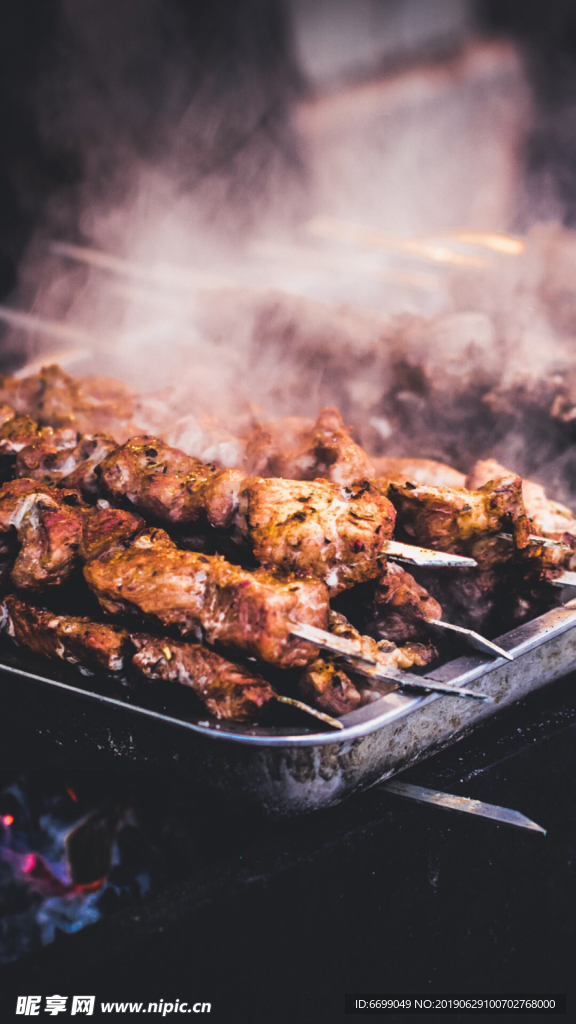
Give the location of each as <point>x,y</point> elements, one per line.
<point>226,690</point>
<point>453,518</point>
<point>195,593</point>
<point>326,682</point>
<point>509,577</point>
<point>419,471</point>
<point>19,432</point>
<point>81,641</point>
<point>56,400</point>
<point>71,466</point>
<point>107,529</point>
<point>550,519</point>
<point>326,686</point>
<point>397,607</point>
<point>45,532</point>
<point>336,533</point>
<point>385,652</point>
<point>305,450</point>
<point>48,528</point>
<point>174,488</point>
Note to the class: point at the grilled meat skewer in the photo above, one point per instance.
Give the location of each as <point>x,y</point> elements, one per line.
<point>333,532</point>
<point>57,533</point>
<point>78,640</point>
<point>203,594</point>
<point>550,519</point>
<point>510,578</point>
<point>46,533</point>
<point>228,691</point>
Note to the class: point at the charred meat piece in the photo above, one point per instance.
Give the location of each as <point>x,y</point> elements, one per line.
<point>226,690</point>
<point>105,528</point>
<point>73,466</point>
<point>81,641</point>
<point>384,652</point>
<point>20,433</point>
<point>248,611</point>
<point>419,471</point>
<point>56,400</point>
<point>452,518</point>
<point>319,528</point>
<point>550,519</point>
<point>174,488</point>
<point>397,607</point>
<point>510,577</point>
<point>326,686</point>
<point>45,532</point>
<point>301,450</point>
<point>48,527</point>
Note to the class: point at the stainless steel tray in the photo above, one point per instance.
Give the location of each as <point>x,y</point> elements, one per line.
<point>293,771</point>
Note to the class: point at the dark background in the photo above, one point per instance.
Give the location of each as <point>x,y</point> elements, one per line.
<point>276,920</point>
<point>82,94</point>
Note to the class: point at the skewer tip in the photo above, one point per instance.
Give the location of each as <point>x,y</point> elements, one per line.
<point>333,722</point>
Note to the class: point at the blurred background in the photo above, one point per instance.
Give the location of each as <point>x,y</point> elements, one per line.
<point>411,115</point>
<point>376,197</point>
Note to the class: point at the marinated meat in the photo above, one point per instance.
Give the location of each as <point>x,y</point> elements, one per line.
<point>45,533</point>
<point>336,533</point>
<point>550,519</point>
<point>452,518</point>
<point>48,528</point>
<point>226,690</point>
<point>249,611</point>
<point>81,641</point>
<point>73,466</point>
<point>105,529</point>
<point>398,606</point>
<point>302,450</point>
<point>174,488</point>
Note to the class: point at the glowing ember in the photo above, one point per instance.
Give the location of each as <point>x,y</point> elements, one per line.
<point>29,863</point>
<point>7,819</point>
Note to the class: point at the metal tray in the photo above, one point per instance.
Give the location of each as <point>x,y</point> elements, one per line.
<point>293,771</point>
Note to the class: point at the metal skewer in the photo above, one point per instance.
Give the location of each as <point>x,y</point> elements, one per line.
<point>567,579</point>
<point>534,538</point>
<point>308,710</point>
<point>470,637</point>
<point>349,649</point>
<point>398,552</point>
<point>505,815</point>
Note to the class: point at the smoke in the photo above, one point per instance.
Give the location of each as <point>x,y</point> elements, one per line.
<point>200,165</point>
